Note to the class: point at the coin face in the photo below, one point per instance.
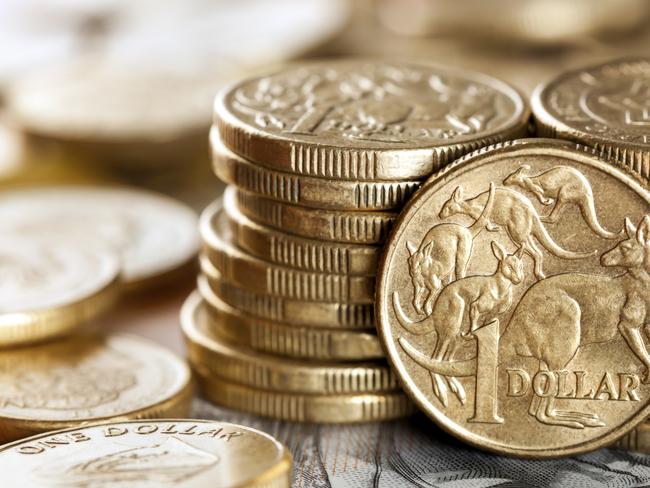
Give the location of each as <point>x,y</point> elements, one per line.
<point>153,233</point>
<point>605,106</point>
<point>49,287</point>
<point>185,453</point>
<point>89,378</point>
<point>513,295</point>
<point>366,120</point>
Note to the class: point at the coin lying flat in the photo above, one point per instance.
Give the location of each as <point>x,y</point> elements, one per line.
<point>155,234</point>
<point>297,407</point>
<point>49,287</point>
<point>313,192</point>
<point>366,120</point>
<point>355,227</point>
<point>301,312</point>
<point>257,275</point>
<point>512,298</point>
<point>605,106</point>
<point>241,365</point>
<point>296,252</point>
<point>89,378</point>
<point>185,453</point>
<point>286,339</point>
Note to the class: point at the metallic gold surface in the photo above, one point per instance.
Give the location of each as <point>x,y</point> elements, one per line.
<point>259,276</point>
<point>352,316</point>
<point>605,106</point>
<point>354,227</point>
<point>236,363</point>
<point>89,378</point>
<point>50,287</point>
<point>638,439</point>
<point>306,408</point>
<point>296,252</point>
<point>290,340</point>
<point>357,119</point>
<point>183,453</point>
<point>538,348</point>
<point>323,193</point>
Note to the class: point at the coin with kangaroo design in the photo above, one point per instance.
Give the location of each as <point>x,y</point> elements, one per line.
<point>513,295</point>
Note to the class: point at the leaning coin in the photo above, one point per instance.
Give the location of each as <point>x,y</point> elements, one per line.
<point>156,235</point>
<point>299,407</point>
<point>323,193</point>
<point>354,227</point>
<point>241,365</point>
<point>257,275</point>
<point>89,378</point>
<point>48,287</point>
<point>296,252</point>
<point>184,453</point>
<point>317,314</point>
<point>604,106</point>
<point>524,337</point>
<point>297,341</point>
<point>638,439</point>
<point>368,120</point>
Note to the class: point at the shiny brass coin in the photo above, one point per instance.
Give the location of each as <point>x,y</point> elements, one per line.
<point>49,287</point>
<point>239,364</point>
<point>604,106</point>
<point>301,312</point>
<point>638,439</point>
<point>296,407</point>
<point>286,339</point>
<point>513,296</point>
<point>155,235</point>
<point>366,120</point>
<point>323,193</point>
<point>183,453</point>
<point>259,276</point>
<point>353,227</point>
<point>296,252</point>
<point>89,378</point>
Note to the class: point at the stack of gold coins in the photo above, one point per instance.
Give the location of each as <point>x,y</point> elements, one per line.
<point>319,159</point>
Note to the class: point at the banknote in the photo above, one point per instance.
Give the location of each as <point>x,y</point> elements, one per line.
<point>413,453</point>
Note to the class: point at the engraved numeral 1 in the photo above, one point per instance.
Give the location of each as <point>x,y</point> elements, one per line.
<point>487,361</point>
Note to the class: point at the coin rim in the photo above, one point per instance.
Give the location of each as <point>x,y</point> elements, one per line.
<point>384,329</point>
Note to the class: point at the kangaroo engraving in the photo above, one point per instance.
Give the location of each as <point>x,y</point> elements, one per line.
<point>445,250</point>
<point>558,315</point>
<point>515,213</point>
<point>561,185</point>
<point>462,307</point>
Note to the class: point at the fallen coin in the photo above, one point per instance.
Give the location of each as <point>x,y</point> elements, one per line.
<point>512,299</point>
<point>89,378</point>
<point>184,453</point>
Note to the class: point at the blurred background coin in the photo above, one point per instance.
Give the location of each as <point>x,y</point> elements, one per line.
<point>48,287</point>
<point>89,378</point>
<point>154,234</point>
<point>183,453</point>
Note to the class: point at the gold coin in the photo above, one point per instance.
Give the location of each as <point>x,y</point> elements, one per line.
<point>366,120</point>
<point>286,339</point>
<point>297,407</point>
<point>262,277</point>
<point>323,193</point>
<point>513,295</point>
<point>604,106</point>
<point>51,286</point>
<point>296,252</point>
<point>155,234</point>
<point>238,364</point>
<point>300,312</point>
<point>353,227</point>
<point>89,378</point>
<point>638,439</point>
<point>183,453</point>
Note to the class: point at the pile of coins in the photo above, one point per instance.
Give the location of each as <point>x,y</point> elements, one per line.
<point>284,325</point>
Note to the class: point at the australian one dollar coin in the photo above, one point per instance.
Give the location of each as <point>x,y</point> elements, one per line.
<point>513,298</point>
